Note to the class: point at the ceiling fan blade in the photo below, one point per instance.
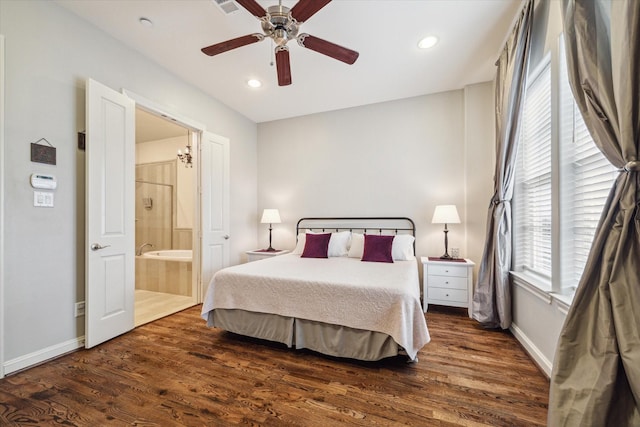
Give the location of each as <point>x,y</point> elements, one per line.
<point>253,7</point>
<point>283,66</point>
<point>327,48</point>
<point>217,48</point>
<point>305,9</point>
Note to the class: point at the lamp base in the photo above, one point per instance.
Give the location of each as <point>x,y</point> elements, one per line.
<point>270,248</point>
<point>446,244</point>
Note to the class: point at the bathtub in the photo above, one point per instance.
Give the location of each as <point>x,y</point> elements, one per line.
<point>167,271</point>
<point>170,254</point>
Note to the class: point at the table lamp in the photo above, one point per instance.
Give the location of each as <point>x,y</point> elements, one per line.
<point>445,214</point>
<point>270,216</point>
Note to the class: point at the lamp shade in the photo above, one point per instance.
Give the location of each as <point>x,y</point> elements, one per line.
<point>445,214</point>
<point>270,216</point>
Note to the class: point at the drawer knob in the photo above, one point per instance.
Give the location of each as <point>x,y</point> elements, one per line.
<point>447,294</point>
<point>446,283</point>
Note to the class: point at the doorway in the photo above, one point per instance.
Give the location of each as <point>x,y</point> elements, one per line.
<point>110,208</point>
<point>164,218</point>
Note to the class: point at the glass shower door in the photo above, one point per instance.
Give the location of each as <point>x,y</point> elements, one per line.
<point>154,212</point>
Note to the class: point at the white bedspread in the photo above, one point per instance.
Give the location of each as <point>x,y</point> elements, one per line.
<point>382,297</point>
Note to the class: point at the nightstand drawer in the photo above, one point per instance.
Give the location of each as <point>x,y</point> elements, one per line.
<point>448,295</point>
<point>449,270</point>
<point>448,282</point>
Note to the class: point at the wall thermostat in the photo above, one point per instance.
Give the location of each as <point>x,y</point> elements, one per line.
<point>39,180</point>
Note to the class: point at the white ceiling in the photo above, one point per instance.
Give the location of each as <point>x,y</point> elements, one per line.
<point>384,32</point>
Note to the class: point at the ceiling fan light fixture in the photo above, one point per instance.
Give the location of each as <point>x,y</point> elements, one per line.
<point>428,42</point>
<point>254,83</point>
<point>280,36</point>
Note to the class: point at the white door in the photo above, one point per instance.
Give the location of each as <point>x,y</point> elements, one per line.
<point>214,202</point>
<point>109,211</point>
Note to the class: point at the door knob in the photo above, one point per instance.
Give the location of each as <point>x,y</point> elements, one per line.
<point>98,246</point>
<point>226,237</point>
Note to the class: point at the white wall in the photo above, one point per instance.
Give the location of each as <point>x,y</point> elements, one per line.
<point>399,158</point>
<point>49,54</point>
<point>537,321</point>
<point>2,250</point>
<point>479,166</point>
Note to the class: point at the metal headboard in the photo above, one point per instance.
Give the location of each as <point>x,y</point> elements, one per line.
<point>396,225</point>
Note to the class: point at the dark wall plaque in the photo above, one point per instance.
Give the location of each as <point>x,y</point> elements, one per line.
<point>43,154</point>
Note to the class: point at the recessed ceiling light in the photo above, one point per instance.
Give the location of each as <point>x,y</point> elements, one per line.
<point>427,42</point>
<point>254,83</point>
<point>146,22</point>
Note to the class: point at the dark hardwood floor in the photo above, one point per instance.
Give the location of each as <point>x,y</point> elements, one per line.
<point>178,372</point>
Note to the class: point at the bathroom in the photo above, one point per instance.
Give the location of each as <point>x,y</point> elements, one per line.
<point>164,216</point>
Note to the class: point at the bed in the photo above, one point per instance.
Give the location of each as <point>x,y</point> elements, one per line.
<point>334,304</point>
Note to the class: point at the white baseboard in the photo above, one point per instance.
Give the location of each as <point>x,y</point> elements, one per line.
<point>539,358</point>
<point>40,356</point>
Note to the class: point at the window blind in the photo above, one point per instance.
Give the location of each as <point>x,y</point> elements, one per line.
<point>588,179</point>
<point>533,179</point>
<point>585,177</point>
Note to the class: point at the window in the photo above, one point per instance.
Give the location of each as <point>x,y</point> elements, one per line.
<point>586,179</point>
<point>533,178</point>
<point>562,181</point>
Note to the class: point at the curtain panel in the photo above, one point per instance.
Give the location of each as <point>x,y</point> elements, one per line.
<point>492,295</point>
<point>596,374</point>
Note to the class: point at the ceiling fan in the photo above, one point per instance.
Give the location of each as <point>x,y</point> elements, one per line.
<point>282,24</point>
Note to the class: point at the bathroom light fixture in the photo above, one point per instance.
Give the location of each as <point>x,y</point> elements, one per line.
<point>428,42</point>
<point>254,83</point>
<point>270,216</point>
<point>186,157</point>
<point>445,214</point>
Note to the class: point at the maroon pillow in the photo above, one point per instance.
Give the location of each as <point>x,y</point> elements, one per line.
<point>316,245</point>
<point>377,248</point>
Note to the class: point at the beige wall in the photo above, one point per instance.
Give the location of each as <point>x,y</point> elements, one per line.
<point>399,158</point>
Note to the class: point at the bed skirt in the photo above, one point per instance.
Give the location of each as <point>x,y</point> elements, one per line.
<point>332,340</point>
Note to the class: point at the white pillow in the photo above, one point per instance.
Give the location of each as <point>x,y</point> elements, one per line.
<point>338,243</point>
<point>357,245</point>
<point>302,239</point>
<point>402,248</point>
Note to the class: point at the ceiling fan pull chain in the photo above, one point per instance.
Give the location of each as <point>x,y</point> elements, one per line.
<point>271,54</point>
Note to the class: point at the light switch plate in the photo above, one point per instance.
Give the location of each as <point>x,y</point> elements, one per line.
<point>43,199</point>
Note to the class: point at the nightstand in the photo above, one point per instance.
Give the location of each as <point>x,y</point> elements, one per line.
<point>262,254</point>
<point>447,283</point>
